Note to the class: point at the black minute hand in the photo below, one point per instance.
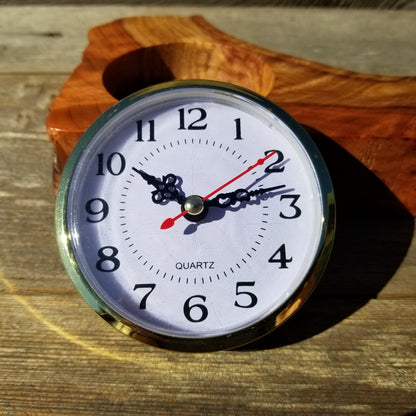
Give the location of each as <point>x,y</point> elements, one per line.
<point>166,189</point>
<point>240,195</point>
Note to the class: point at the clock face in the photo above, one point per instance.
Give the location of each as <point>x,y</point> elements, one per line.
<point>196,215</point>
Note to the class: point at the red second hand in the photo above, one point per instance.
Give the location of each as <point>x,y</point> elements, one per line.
<point>169,222</point>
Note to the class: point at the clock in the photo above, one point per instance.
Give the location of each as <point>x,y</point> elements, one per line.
<point>195,216</point>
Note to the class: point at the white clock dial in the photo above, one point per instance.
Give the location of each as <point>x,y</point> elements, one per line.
<point>195,214</point>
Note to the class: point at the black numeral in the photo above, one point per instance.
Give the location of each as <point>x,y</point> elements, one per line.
<point>149,286</point>
<point>108,262</point>
<point>237,122</point>
<point>275,167</point>
<point>194,125</point>
<point>97,208</point>
<point>203,311</point>
<point>140,136</point>
<point>115,164</point>
<point>252,296</point>
<point>296,210</point>
<point>280,257</point>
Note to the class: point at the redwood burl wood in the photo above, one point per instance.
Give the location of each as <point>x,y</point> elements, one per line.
<point>373,118</point>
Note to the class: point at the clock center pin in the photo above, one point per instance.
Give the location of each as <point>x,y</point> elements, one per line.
<point>194,205</point>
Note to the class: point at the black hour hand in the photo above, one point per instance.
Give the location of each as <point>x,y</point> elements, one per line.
<point>240,195</point>
<point>166,188</point>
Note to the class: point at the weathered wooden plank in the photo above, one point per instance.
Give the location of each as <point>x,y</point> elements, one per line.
<point>24,104</point>
<point>53,362</point>
<point>39,39</point>
<point>376,4</point>
<point>25,101</point>
<point>27,243</point>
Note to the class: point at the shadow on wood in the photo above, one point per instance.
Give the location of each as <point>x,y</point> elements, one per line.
<point>149,66</point>
<point>368,213</point>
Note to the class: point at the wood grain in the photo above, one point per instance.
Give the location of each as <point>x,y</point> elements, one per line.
<point>376,4</point>
<point>81,372</point>
<point>349,351</point>
<point>356,40</point>
<point>372,118</point>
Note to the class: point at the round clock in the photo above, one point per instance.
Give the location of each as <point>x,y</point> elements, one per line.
<point>195,216</point>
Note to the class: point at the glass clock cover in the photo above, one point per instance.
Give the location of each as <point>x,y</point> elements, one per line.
<point>195,215</point>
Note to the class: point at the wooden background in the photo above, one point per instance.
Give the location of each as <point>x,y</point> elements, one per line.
<point>346,4</point>
<point>350,350</point>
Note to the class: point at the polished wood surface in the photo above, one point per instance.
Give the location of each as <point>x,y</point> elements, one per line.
<point>373,118</point>
<point>349,351</point>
